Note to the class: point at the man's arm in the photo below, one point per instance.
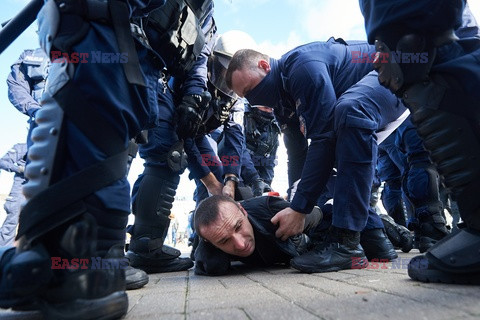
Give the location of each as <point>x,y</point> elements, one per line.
<point>312,90</point>
<point>19,88</point>
<point>13,160</point>
<point>234,145</point>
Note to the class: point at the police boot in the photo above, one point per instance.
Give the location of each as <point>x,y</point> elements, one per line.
<point>376,245</point>
<point>154,193</point>
<point>340,251</point>
<point>454,259</point>
<point>60,275</point>
<point>422,185</point>
<point>398,235</point>
<point>431,228</point>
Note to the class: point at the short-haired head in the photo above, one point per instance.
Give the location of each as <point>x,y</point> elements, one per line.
<point>243,59</point>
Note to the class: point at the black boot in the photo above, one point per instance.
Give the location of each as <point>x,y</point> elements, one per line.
<point>398,235</point>
<point>376,245</point>
<point>340,251</point>
<point>154,193</point>
<point>144,255</point>
<point>431,228</point>
<point>60,275</point>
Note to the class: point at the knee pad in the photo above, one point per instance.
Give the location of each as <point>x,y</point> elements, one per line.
<point>153,202</point>
<point>452,140</point>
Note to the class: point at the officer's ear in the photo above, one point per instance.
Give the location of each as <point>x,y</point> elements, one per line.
<point>264,65</point>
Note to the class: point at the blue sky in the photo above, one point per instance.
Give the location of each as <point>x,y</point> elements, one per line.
<point>276,25</point>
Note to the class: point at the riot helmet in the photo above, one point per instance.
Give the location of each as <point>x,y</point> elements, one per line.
<point>224,49</point>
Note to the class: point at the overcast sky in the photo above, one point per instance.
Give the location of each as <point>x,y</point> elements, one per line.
<point>276,25</point>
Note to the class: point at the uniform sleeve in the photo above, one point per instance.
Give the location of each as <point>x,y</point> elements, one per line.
<point>196,81</point>
<point>234,140</point>
<point>248,172</point>
<point>12,161</point>
<point>196,163</point>
<point>314,96</point>
<point>297,147</point>
<point>20,89</point>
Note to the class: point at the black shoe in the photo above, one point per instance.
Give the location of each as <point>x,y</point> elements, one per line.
<point>163,259</point>
<point>135,278</point>
<point>398,235</point>
<point>341,251</point>
<point>454,259</point>
<point>331,257</point>
<point>376,245</point>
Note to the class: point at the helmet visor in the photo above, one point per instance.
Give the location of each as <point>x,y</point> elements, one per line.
<point>216,74</point>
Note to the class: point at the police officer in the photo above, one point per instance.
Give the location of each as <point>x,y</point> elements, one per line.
<point>13,161</point>
<point>221,145</point>
<point>183,93</point>
<point>443,98</point>
<point>77,193</point>
<point>261,135</point>
<point>308,80</point>
<point>421,186</point>
<point>391,166</point>
<point>26,84</point>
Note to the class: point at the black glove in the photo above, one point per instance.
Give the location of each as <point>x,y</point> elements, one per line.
<point>259,187</point>
<point>189,114</point>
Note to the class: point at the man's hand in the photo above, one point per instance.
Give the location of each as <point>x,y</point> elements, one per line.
<point>214,187</point>
<point>229,189</point>
<point>290,223</point>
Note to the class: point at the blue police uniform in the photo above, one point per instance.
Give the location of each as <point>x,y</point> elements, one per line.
<point>26,83</point>
<point>261,134</point>
<point>154,190</point>
<point>452,79</point>
<point>340,119</point>
<point>77,184</point>
<point>13,161</point>
<point>391,165</point>
<point>228,144</point>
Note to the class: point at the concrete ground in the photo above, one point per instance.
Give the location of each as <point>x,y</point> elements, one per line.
<point>383,291</point>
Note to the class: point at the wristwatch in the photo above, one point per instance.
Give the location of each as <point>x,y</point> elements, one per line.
<point>230,178</point>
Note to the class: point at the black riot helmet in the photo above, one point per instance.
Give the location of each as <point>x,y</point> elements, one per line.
<point>224,49</point>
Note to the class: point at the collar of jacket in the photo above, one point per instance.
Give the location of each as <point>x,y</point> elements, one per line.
<point>267,92</point>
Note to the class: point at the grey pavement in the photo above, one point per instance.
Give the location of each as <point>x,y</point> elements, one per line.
<point>382,291</point>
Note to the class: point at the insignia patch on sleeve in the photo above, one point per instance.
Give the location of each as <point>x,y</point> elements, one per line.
<point>303,126</point>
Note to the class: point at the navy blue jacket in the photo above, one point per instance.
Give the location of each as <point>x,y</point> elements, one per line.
<point>26,81</point>
<point>310,79</point>
<point>14,161</point>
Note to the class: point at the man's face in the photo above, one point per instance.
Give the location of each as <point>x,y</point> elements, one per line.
<point>246,79</point>
<point>231,232</point>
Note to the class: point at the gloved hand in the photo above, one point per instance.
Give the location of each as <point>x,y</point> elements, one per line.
<point>189,114</point>
<point>259,187</point>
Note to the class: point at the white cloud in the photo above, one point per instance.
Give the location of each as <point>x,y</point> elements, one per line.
<point>324,19</point>
<point>275,50</point>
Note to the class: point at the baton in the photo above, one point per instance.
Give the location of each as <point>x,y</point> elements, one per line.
<point>19,23</point>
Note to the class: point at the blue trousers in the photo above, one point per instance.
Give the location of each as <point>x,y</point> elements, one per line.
<point>363,109</point>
